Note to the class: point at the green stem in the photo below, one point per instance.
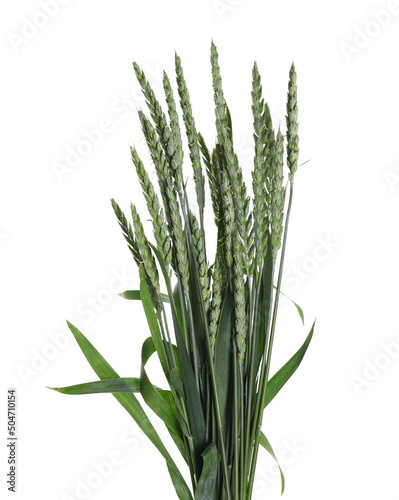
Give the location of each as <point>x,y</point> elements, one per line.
<point>163,323</point>
<point>242,432</point>
<point>236,445</point>
<point>216,406</point>
<point>251,463</point>
<point>251,374</point>
<point>193,340</point>
<point>266,366</point>
<point>190,448</point>
<point>184,208</point>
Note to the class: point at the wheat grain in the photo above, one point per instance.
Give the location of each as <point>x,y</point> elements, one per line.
<point>292,123</point>
<point>154,208</point>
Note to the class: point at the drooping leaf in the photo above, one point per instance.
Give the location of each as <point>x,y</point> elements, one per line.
<point>268,447</point>
<point>297,306</point>
<point>129,401</point>
<point>300,311</point>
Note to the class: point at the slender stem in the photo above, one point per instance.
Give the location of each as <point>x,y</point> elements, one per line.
<point>184,208</point>
<point>183,313</point>
<point>242,432</point>
<point>163,323</point>
<point>236,446</point>
<point>251,464</point>
<point>264,379</point>
<point>216,407</point>
<point>251,374</point>
<point>225,446</point>
<point>193,339</point>
<point>190,448</point>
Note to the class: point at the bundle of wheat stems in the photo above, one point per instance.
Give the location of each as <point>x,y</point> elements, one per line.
<point>213,326</point>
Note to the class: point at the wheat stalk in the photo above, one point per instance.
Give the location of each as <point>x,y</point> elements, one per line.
<point>213,327</point>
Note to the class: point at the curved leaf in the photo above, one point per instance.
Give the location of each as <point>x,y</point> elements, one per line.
<point>297,306</point>
<point>112,385</point>
<point>131,404</point>
<point>275,384</point>
<point>268,447</point>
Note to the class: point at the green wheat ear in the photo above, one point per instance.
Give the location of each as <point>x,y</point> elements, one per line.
<point>211,312</point>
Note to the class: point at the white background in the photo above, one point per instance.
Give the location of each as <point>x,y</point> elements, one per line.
<point>335,425</point>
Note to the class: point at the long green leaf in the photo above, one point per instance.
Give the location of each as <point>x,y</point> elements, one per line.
<point>207,483</point>
<point>105,371</point>
<point>278,380</point>
<point>112,385</point>
<point>192,398</point>
<point>268,447</point>
<point>223,353</point>
<point>195,414</point>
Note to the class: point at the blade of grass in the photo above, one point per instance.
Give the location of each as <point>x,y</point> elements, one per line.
<point>105,371</point>
<point>113,385</point>
<point>223,354</point>
<point>277,382</point>
<point>268,447</point>
<point>297,307</point>
<point>269,346</point>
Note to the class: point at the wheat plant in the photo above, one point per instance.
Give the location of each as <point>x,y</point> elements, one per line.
<point>211,318</point>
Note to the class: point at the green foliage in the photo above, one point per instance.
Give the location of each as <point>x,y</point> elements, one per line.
<point>213,325</point>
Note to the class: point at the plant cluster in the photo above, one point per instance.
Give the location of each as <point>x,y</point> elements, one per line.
<point>212,319</point>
